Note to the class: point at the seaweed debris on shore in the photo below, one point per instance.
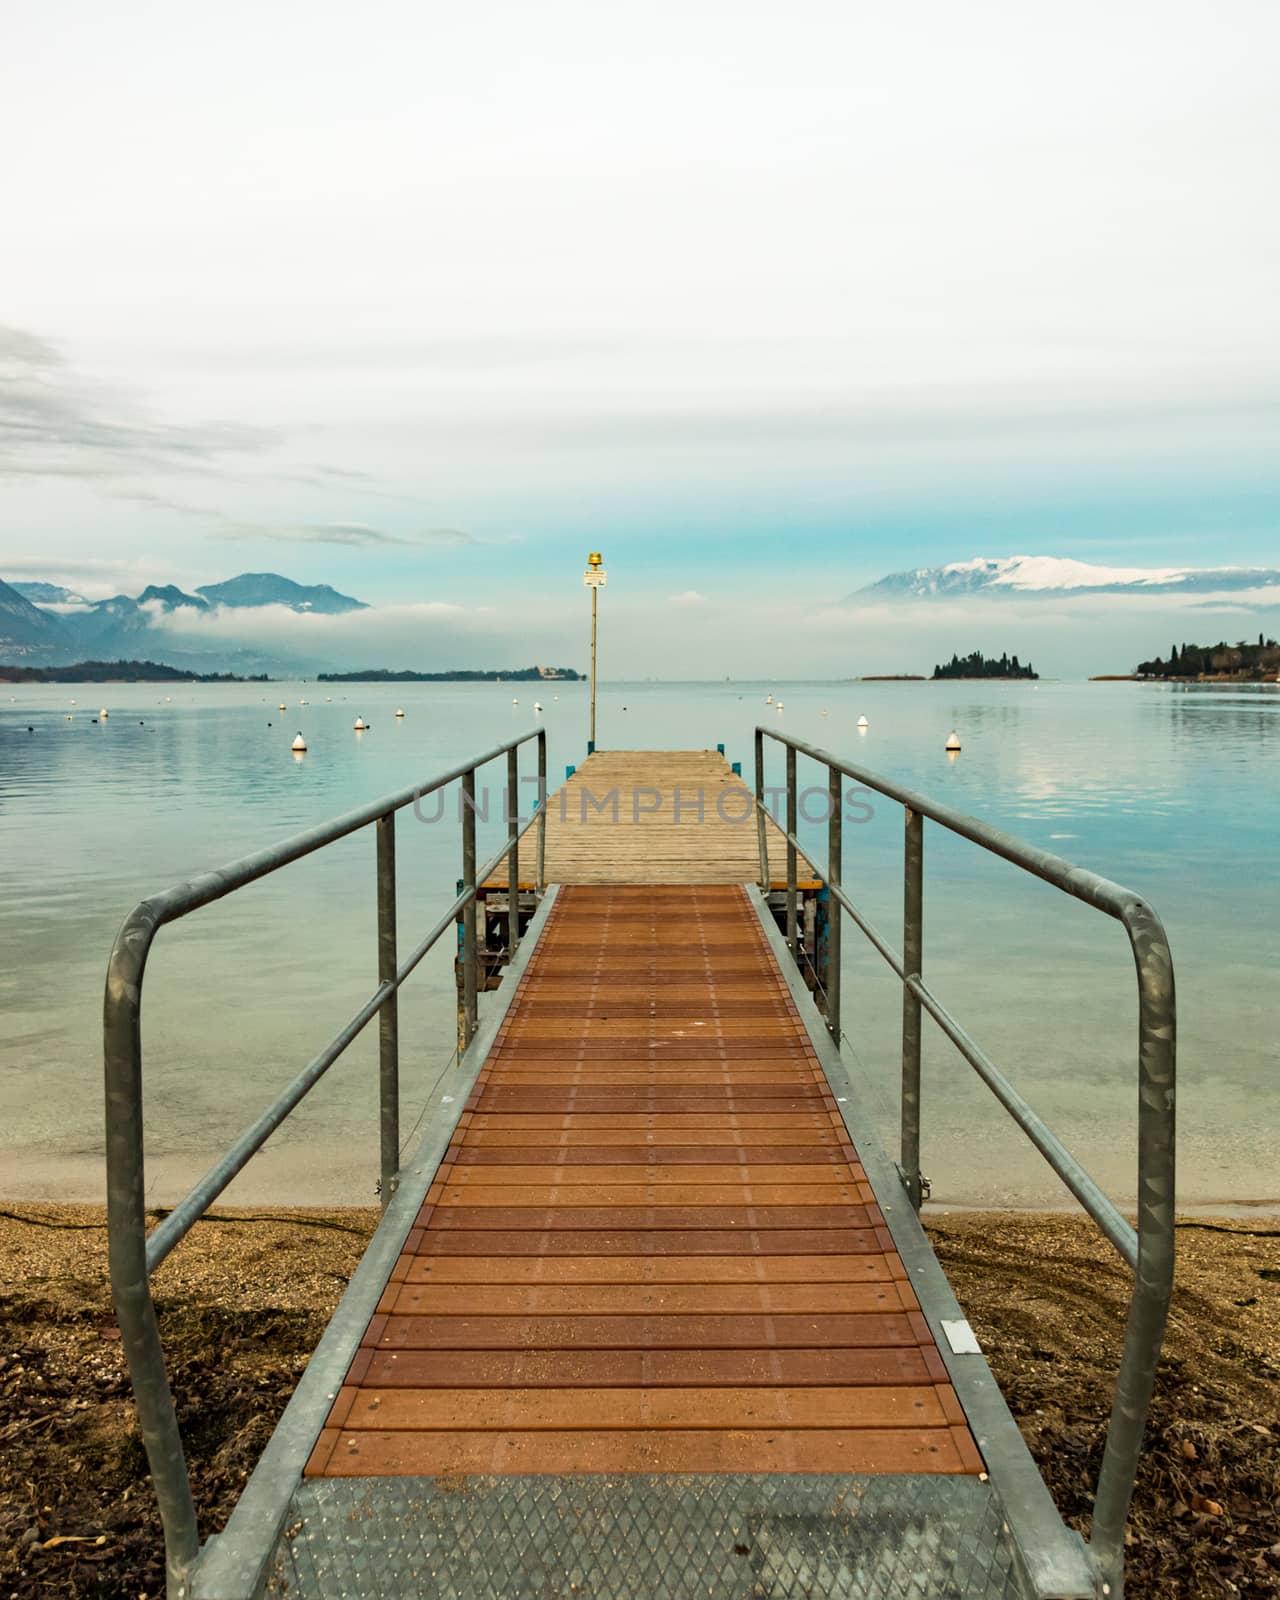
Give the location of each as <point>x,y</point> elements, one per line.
<point>244,1300</point>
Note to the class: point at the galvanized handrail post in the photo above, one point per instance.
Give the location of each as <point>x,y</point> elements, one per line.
<point>1149,1308</point>
<point>540,880</point>
<point>127,1250</point>
<point>912,955</point>
<point>388,1014</point>
<point>793,943</point>
<point>835,870</point>
<point>761,837</point>
<point>513,854</point>
<point>470,1013</point>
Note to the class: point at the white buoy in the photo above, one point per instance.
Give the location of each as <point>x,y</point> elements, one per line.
<point>768,699</point>
<point>515,702</point>
<point>103,714</point>
<point>302,702</point>
<point>537,705</point>
<point>168,699</point>
<point>953,742</point>
<point>399,711</point>
<point>328,699</point>
<point>359,725</point>
<point>299,743</point>
<point>863,723</point>
<point>283,707</point>
<point>779,705</point>
<point>73,702</point>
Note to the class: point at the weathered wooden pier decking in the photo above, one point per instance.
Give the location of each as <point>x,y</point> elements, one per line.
<point>657,816</point>
<point>650,1246</point>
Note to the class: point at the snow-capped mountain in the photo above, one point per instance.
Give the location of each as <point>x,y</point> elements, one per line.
<point>1044,575</point>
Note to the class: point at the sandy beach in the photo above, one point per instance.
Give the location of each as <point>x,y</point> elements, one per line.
<point>244,1300</point>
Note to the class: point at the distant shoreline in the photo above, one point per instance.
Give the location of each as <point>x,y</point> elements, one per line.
<point>160,672</point>
<point>1204,677</point>
<point>456,675</point>
<point>120,672</point>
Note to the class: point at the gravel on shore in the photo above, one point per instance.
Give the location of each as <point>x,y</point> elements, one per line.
<point>244,1300</point>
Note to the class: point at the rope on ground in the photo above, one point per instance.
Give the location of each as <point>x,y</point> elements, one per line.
<point>868,1078</point>
<point>430,1092</point>
<point>1245,1233</point>
<point>160,1212</point>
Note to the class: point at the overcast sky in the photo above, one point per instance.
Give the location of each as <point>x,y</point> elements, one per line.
<point>763,301</point>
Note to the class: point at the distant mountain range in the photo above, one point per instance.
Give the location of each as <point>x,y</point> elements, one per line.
<point>1051,575</point>
<point>46,624</point>
<point>24,624</point>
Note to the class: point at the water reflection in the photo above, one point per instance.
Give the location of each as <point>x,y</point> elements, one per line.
<point>1171,792</point>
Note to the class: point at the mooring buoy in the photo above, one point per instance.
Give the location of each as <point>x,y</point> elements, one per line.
<point>399,711</point>
<point>863,723</point>
<point>299,743</point>
<point>360,725</point>
<point>953,742</point>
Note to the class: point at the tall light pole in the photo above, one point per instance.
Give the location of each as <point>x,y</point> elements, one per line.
<point>594,578</point>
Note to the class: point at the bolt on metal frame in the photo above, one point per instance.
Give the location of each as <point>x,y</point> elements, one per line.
<point>1148,1250</point>
<point>133,1255</point>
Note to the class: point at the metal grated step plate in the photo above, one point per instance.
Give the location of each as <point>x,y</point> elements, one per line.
<point>724,1537</point>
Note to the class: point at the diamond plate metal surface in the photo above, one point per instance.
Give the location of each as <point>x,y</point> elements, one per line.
<point>785,1537</point>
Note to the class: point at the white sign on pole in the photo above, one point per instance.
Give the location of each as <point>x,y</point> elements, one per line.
<point>594,578</point>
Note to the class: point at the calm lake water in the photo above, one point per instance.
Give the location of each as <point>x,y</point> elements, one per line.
<point>1173,793</point>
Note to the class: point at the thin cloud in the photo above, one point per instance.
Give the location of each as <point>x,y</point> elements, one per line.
<point>343,533</point>
<point>165,502</point>
<point>20,347</point>
<point>346,473</point>
<point>690,597</point>
<point>338,533</point>
<point>54,423</point>
<point>95,579</point>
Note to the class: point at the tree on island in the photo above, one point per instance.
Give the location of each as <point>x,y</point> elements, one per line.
<point>1240,660</point>
<point>976,665</point>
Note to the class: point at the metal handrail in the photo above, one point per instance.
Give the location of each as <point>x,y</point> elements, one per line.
<point>132,1256</point>
<point>1148,1250</point>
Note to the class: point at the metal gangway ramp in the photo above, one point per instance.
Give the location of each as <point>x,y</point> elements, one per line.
<point>650,1313</point>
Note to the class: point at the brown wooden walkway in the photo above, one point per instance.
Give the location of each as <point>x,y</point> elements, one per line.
<point>650,1247</point>
<point>660,817</point>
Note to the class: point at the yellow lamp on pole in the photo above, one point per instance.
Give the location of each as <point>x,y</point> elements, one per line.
<point>594,578</point>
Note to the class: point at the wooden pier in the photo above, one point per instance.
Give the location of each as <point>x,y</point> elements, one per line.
<point>680,818</point>
<point>650,1246</point>
<point>650,1312</point>
<point>658,816</point>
